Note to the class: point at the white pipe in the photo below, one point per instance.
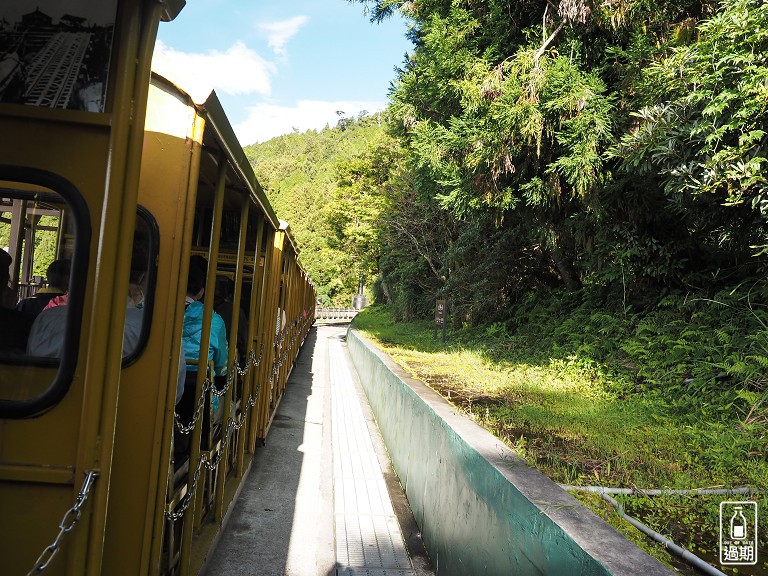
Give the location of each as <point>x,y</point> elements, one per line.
<point>687,556</point>
<point>663,492</point>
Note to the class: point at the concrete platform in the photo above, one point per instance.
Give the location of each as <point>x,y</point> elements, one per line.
<point>321,498</point>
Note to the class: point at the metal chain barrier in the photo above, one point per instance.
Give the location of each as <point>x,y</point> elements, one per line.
<point>67,523</point>
<point>232,423</point>
<point>252,356</point>
<point>182,508</point>
<point>187,428</point>
<point>209,385</point>
<point>72,516</point>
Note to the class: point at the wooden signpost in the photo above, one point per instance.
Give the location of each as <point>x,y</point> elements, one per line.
<point>441,308</point>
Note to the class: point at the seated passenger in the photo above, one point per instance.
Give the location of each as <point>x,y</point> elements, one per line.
<point>191,335</point>
<point>280,323</point>
<point>15,325</point>
<point>57,276</point>
<point>46,338</point>
<point>134,313</point>
<point>193,323</point>
<point>223,305</point>
<point>7,292</point>
<point>60,300</point>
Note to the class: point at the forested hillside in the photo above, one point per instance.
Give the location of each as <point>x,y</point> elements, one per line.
<point>613,150</point>
<point>614,153</point>
<point>301,175</point>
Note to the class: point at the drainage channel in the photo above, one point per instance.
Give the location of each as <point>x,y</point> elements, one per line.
<point>369,541</point>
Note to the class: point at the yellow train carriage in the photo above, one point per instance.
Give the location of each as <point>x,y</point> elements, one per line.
<point>93,479</point>
<point>199,188</point>
<point>69,152</point>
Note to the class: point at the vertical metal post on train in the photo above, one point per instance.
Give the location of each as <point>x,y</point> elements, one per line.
<point>255,352</point>
<point>259,312</point>
<point>194,514</point>
<point>232,375</point>
<point>264,321</point>
<point>271,288</point>
<point>251,348</point>
<point>287,353</point>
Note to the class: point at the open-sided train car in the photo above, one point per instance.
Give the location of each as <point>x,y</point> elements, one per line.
<point>119,452</point>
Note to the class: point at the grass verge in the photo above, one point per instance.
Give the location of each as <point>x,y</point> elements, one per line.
<point>588,399</point>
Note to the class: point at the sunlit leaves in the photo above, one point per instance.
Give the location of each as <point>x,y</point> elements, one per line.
<point>708,137</point>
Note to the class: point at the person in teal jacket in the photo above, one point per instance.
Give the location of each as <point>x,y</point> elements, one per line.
<point>193,323</point>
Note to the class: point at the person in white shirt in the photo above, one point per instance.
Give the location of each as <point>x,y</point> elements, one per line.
<point>46,338</point>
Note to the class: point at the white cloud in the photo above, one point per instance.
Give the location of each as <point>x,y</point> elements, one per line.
<point>266,121</point>
<point>238,70</point>
<point>278,33</point>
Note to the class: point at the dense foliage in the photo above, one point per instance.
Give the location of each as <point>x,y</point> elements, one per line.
<point>616,145</point>
<point>615,150</point>
<point>45,243</point>
<point>310,181</point>
<point>592,395</point>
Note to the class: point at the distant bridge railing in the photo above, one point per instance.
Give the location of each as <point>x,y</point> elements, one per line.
<point>345,314</point>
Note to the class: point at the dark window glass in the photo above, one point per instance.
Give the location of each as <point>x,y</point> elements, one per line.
<point>44,238</point>
<point>69,41</point>
<point>141,286</point>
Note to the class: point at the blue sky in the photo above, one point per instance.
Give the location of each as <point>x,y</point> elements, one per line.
<point>280,65</point>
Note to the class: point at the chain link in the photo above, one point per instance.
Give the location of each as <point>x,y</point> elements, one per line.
<point>252,355</point>
<point>209,385</point>
<point>187,428</point>
<point>210,464</point>
<point>182,508</point>
<point>233,423</point>
<point>72,516</point>
<point>67,523</point>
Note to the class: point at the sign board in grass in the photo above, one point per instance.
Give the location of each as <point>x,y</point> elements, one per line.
<point>440,313</point>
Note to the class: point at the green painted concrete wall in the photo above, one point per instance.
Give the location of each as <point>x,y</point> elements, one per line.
<point>481,509</point>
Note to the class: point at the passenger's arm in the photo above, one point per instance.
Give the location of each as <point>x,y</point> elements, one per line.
<point>182,375</point>
<point>219,345</point>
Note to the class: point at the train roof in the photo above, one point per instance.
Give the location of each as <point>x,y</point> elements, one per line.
<point>221,130</point>
<point>218,138</point>
<point>171,9</point>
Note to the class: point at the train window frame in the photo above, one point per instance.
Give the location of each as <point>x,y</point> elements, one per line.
<point>67,363</point>
<point>153,251</point>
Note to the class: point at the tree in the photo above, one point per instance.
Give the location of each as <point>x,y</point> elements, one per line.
<point>510,115</point>
<point>299,174</point>
<point>703,130</point>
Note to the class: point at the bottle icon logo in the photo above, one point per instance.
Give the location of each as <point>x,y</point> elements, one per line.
<point>738,524</point>
<point>738,533</point>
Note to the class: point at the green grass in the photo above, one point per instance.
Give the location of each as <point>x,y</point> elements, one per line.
<point>564,392</point>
